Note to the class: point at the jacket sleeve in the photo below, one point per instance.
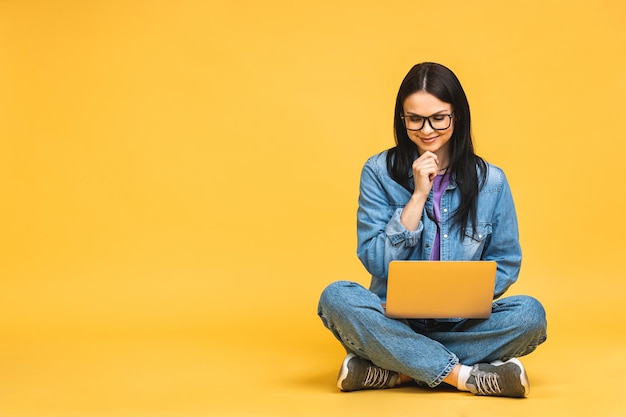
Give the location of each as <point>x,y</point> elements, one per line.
<point>503,246</point>
<point>381,237</point>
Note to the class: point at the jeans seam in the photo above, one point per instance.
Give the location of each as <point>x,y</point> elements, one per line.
<point>454,361</point>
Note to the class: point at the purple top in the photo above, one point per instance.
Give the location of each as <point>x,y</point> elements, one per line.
<point>439,185</point>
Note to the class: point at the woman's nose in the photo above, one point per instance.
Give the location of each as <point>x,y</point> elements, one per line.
<point>427,128</point>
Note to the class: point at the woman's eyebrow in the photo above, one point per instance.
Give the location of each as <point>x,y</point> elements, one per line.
<point>434,114</point>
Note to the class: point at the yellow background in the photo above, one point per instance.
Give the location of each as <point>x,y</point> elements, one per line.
<point>179,182</point>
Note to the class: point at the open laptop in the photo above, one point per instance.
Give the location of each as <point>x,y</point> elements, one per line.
<point>440,289</point>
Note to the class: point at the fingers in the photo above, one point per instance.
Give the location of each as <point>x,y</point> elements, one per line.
<point>429,155</point>
<point>426,165</point>
<point>425,169</point>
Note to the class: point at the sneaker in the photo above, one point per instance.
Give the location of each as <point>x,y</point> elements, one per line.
<point>502,379</point>
<point>358,373</point>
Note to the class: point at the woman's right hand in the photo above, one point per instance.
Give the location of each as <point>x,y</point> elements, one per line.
<point>425,169</point>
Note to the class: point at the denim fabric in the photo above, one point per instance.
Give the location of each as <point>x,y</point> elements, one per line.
<point>427,350</point>
<point>382,238</point>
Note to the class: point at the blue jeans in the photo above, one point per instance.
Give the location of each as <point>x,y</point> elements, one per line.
<point>427,350</point>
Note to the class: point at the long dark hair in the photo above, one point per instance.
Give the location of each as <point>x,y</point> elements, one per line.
<point>466,169</point>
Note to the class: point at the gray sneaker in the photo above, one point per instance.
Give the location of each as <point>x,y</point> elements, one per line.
<point>358,373</point>
<point>501,379</point>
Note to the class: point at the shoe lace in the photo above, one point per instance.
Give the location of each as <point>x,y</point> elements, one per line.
<point>487,383</point>
<point>376,377</point>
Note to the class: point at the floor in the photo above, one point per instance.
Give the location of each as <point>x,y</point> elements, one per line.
<point>267,366</point>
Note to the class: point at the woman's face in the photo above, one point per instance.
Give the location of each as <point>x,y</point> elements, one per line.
<point>419,106</point>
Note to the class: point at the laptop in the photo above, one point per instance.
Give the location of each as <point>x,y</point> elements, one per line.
<point>440,289</point>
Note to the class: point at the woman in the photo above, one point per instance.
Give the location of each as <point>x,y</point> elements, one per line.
<point>432,198</point>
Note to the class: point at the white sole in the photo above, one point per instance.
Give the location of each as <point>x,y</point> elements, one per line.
<point>343,373</point>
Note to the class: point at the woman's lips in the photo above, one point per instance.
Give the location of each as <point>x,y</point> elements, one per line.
<point>429,140</point>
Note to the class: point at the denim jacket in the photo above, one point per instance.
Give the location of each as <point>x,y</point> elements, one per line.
<point>382,238</point>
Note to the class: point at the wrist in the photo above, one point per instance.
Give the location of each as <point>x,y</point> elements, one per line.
<point>419,196</point>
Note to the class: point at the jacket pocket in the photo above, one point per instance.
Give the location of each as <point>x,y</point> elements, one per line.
<point>474,241</point>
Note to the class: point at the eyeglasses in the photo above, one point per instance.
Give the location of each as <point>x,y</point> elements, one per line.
<point>436,121</point>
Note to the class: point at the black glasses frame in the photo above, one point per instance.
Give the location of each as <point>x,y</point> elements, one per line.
<point>449,116</point>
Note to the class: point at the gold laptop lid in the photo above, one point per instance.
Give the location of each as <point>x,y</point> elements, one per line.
<point>440,289</point>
